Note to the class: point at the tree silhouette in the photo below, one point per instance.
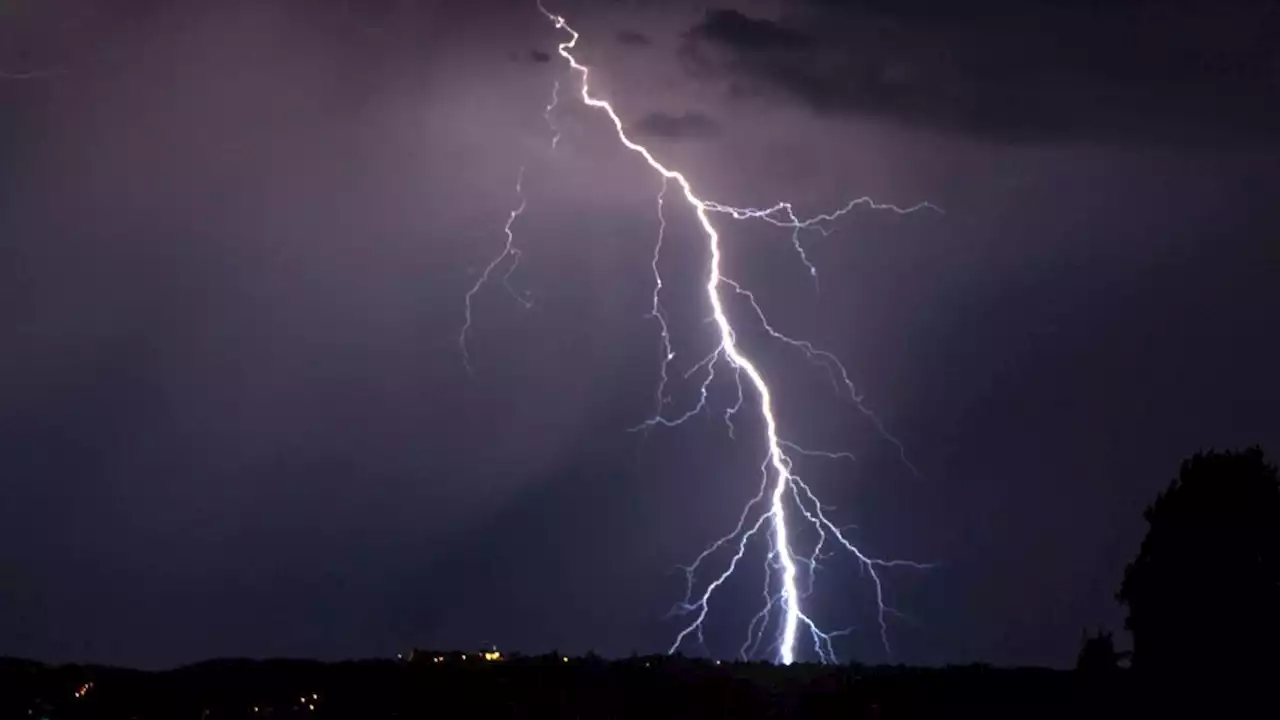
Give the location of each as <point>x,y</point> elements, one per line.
<point>1098,655</point>
<point>1204,592</point>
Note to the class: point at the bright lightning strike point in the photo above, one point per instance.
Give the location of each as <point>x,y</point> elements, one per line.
<point>780,484</point>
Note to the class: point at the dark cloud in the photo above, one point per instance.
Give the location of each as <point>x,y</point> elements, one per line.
<point>736,30</point>
<point>1045,70</point>
<point>634,38</point>
<point>28,74</point>
<point>687,125</point>
<point>539,57</point>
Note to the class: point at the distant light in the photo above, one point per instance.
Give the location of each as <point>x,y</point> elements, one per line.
<point>399,656</point>
<point>565,659</point>
<point>317,697</point>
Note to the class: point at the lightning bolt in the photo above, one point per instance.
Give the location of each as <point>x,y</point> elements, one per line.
<point>780,488</point>
<point>551,106</point>
<point>509,250</point>
<point>657,313</point>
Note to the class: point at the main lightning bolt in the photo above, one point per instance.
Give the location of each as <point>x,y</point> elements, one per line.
<point>780,486</point>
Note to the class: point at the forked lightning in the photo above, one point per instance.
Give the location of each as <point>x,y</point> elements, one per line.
<point>780,487</point>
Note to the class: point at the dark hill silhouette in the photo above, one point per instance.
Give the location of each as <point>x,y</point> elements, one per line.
<point>550,686</point>
<point>1201,597</point>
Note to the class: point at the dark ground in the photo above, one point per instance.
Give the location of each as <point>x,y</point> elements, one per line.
<point>648,687</point>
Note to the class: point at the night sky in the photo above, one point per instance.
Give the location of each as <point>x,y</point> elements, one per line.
<point>235,238</point>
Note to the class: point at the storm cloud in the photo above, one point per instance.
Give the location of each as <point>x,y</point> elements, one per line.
<point>1015,72</point>
<point>236,240</point>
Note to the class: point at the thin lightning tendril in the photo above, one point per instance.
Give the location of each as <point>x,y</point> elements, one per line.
<point>657,312</point>
<point>551,106</point>
<point>509,250</point>
<point>782,488</point>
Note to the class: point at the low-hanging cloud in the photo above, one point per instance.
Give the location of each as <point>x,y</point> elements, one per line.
<point>634,38</point>
<point>685,126</point>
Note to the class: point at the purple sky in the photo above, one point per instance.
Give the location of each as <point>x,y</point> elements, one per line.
<point>235,239</point>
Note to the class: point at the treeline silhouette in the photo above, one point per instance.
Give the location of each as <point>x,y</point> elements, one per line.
<point>548,686</point>
<point>1201,599</point>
